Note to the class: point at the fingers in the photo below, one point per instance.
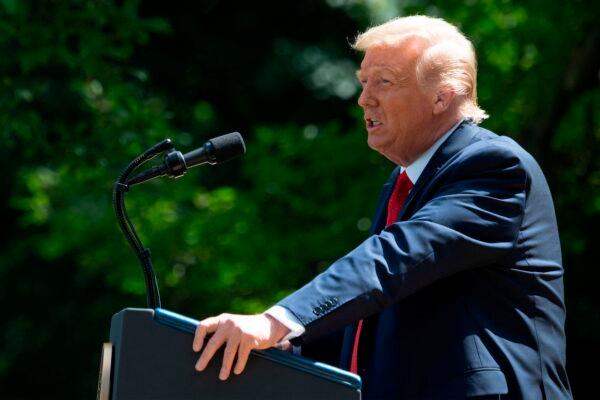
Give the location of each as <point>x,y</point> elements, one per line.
<point>241,333</point>
<point>243,354</point>
<point>208,325</point>
<point>215,342</point>
<point>229,355</point>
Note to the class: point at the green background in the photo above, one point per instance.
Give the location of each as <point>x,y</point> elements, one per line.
<point>85,86</point>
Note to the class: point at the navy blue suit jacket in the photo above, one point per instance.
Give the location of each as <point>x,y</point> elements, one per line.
<point>463,295</point>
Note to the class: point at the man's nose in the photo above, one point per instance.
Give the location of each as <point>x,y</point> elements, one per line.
<point>366,98</point>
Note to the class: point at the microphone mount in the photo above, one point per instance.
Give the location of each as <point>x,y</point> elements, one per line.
<point>217,150</point>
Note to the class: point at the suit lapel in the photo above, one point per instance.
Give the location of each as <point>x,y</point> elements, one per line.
<point>381,212</point>
<point>458,140</point>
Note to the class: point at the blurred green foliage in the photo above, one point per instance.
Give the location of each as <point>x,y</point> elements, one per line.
<point>85,86</point>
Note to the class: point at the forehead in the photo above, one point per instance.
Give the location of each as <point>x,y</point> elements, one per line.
<point>400,57</point>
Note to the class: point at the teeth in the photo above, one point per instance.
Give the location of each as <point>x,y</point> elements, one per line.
<point>373,122</point>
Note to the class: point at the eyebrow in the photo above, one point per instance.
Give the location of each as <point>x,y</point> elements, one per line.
<point>397,75</point>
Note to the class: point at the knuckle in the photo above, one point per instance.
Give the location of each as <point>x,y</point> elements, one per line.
<point>244,351</point>
<point>249,344</point>
<point>212,344</point>
<point>230,351</point>
<point>247,336</point>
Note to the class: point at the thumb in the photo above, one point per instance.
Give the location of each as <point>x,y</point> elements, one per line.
<point>284,346</point>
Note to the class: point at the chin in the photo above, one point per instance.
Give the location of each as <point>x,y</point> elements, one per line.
<point>385,150</point>
<point>378,145</point>
<point>374,143</point>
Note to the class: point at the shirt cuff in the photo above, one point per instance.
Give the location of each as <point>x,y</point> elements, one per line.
<point>288,319</point>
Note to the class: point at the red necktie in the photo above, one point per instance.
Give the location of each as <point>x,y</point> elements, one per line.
<point>397,199</point>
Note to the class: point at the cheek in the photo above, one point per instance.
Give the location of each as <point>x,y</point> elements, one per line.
<point>402,113</point>
<point>417,111</point>
<point>400,103</point>
<point>424,104</point>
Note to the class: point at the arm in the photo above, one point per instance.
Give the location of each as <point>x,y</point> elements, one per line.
<point>472,220</point>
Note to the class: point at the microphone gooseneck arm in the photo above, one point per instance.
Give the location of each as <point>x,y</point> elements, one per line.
<point>142,253</point>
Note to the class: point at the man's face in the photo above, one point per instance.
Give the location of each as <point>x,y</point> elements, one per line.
<point>397,112</point>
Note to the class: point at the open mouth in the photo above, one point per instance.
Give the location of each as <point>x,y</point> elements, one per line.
<point>372,123</point>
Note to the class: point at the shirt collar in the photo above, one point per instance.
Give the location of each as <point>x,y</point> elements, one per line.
<point>415,169</point>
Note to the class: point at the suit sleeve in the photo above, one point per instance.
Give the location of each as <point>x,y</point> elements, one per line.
<point>471,221</point>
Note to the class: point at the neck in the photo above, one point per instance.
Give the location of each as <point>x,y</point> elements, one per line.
<point>433,132</point>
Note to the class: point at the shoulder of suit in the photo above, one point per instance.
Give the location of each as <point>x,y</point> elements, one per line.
<point>486,143</point>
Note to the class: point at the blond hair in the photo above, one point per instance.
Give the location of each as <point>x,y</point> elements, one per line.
<point>448,60</point>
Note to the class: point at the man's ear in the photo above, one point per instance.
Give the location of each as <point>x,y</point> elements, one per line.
<point>443,100</point>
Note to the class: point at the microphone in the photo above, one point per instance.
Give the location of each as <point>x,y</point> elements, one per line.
<point>216,151</point>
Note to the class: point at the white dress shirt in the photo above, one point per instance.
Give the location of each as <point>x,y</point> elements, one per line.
<point>413,171</point>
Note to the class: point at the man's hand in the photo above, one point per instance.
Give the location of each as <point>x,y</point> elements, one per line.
<point>242,333</point>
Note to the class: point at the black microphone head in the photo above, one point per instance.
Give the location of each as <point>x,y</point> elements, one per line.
<point>227,147</point>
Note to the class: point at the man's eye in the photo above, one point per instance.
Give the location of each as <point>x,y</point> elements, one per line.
<point>386,81</point>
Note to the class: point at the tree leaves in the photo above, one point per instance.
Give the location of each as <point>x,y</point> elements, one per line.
<point>86,86</point>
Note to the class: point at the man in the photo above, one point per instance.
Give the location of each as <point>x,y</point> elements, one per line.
<point>458,292</point>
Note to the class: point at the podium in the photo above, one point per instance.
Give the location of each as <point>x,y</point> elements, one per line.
<point>150,357</point>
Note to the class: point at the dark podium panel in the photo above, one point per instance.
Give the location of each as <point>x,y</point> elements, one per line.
<point>152,359</point>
